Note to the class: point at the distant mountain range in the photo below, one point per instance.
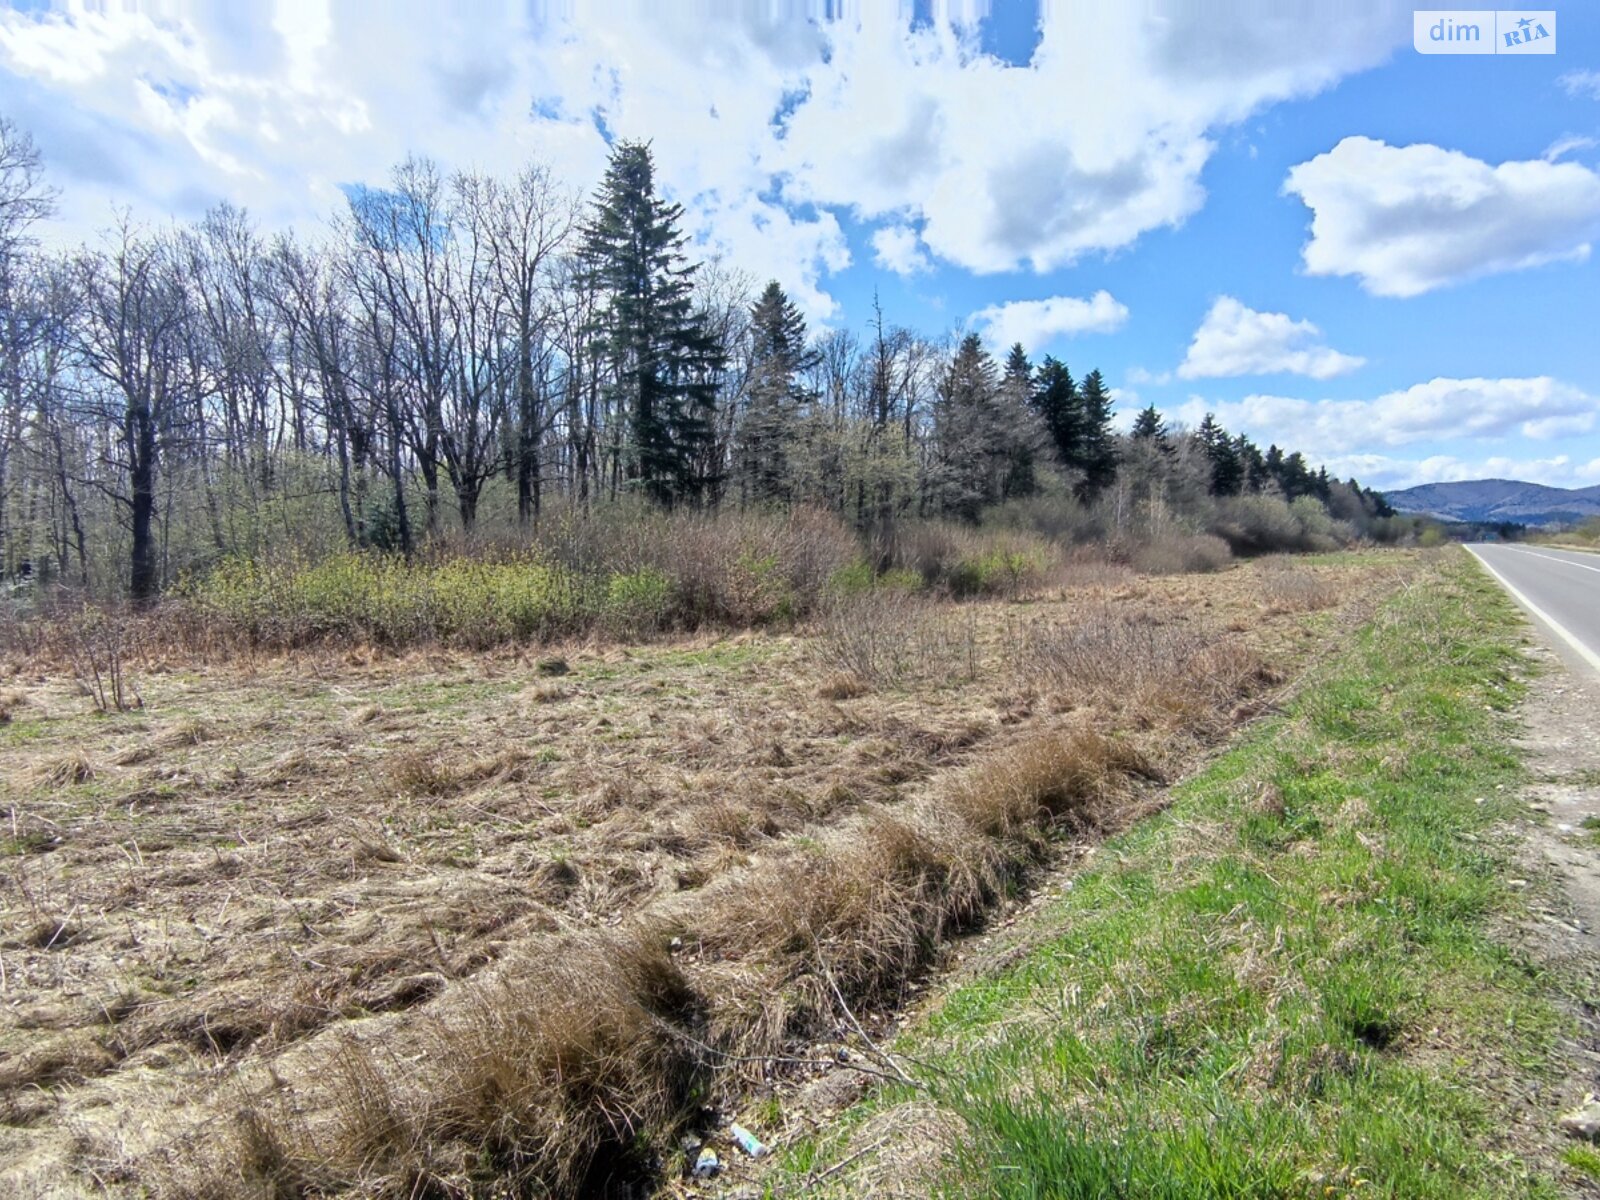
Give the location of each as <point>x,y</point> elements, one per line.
<point>1494,500</point>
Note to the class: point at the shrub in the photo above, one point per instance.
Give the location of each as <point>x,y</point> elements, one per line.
<point>1158,667</point>
<point>889,636</point>
<point>639,599</point>
<point>859,577</point>
<point>1180,554</point>
<point>1266,524</point>
<point>631,570</point>
<point>853,579</point>
<point>970,562</point>
<point>386,601</point>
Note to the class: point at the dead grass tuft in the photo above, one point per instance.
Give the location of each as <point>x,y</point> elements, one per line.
<point>843,685</point>
<point>543,1081</point>
<point>419,773</point>
<point>1164,671</point>
<point>187,733</point>
<point>70,1058</point>
<point>1047,781</point>
<point>367,714</point>
<point>132,756</point>
<point>68,769</point>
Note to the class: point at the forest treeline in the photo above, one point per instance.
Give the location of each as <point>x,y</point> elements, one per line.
<point>460,354</point>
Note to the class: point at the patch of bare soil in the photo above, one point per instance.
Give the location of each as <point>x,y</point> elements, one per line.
<point>276,859</point>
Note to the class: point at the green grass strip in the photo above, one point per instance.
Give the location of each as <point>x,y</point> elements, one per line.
<point>1287,984</point>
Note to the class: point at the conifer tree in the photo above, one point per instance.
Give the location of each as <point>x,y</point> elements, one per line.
<point>1055,400</point>
<point>971,441</point>
<point>1018,368</point>
<point>1097,445</point>
<point>1149,426</point>
<point>1227,473</point>
<point>1024,437</point>
<point>1252,466</point>
<point>663,362</point>
<point>770,429</point>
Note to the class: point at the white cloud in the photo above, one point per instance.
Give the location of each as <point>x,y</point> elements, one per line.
<point>1408,219</point>
<point>276,109</point>
<point>1539,408</point>
<point>896,248</point>
<point>1566,144</point>
<point>1387,473</point>
<point>1036,323</point>
<point>1140,375</point>
<point>1100,138</point>
<point>762,122</point>
<point>1581,83</point>
<point>1237,340</point>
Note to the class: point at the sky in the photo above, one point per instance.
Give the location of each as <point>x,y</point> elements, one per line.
<point>1279,212</point>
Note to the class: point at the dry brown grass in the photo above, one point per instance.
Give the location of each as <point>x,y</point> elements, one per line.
<point>854,919</point>
<point>1291,589</point>
<point>890,637</point>
<point>419,773</point>
<point>544,1079</point>
<point>66,769</point>
<point>1046,781</point>
<point>843,685</point>
<point>499,872</point>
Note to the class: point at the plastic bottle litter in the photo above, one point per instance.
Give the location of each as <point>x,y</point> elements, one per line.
<point>707,1165</point>
<point>748,1142</point>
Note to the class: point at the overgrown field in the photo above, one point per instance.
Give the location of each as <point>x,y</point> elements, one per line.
<point>358,921</point>
<point>1296,981</point>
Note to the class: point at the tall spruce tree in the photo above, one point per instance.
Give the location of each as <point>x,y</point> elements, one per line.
<point>1149,426</point>
<point>1227,472</point>
<point>770,429</point>
<point>972,442</point>
<point>1024,437</point>
<point>1097,444</point>
<point>663,363</point>
<point>1055,400</point>
<point>1251,464</point>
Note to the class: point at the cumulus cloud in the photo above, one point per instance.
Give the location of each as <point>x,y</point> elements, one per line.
<point>897,248</point>
<point>1539,408</point>
<point>767,126</point>
<point>276,108</point>
<point>1074,152</point>
<point>1036,323</point>
<point>1408,219</point>
<point>1235,339</point>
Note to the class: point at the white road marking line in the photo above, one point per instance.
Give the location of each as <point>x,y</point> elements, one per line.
<point>1554,558</point>
<point>1588,655</point>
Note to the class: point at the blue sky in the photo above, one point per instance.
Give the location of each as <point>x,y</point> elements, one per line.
<point>1279,212</point>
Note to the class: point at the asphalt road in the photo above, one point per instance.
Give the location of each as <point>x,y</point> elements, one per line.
<point>1559,588</point>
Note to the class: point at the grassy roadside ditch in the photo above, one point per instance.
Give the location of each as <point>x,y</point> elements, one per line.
<point>1287,984</point>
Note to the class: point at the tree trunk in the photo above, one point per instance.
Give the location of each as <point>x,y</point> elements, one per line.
<point>142,580</point>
